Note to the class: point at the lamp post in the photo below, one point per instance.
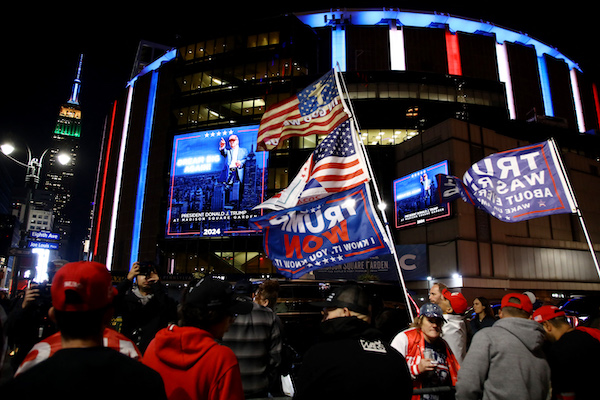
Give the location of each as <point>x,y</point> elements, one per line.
<point>32,179</point>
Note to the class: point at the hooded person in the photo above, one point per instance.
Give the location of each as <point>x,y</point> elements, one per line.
<point>188,357</point>
<point>351,361</point>
<point>506,360</point>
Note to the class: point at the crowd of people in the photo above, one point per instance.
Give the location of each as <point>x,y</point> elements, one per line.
<point>223,341</point>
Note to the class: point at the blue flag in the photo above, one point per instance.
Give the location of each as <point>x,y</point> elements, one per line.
<point>513,185</point>
<point>337,229</point>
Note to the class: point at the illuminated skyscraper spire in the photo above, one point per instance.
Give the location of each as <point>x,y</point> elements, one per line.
<point>76,84</point>
<point>60,178</point>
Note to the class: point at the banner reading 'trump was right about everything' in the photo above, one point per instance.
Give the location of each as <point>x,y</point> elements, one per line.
<point>513,185</point>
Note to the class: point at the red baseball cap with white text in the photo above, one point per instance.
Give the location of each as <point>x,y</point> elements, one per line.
<point>82,286</point>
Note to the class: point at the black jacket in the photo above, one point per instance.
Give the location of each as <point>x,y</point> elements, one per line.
<point>141,322</point>
<point>352,362</point>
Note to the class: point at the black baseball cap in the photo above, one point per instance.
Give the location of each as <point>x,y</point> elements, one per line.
<point>351,296</point>
<point>243,287</point>
<point>215,294</point>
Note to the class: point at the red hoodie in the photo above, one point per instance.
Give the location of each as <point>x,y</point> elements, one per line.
<point>193,365</point>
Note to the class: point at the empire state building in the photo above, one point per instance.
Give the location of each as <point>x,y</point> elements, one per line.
<point>59,177</point>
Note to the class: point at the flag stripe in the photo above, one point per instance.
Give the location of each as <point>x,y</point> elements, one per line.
<point>338,178</point>
<point>336,165</point>
<point>279,114</point>
<point>320,125</point>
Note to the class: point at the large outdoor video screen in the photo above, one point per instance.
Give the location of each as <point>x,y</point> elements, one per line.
<point>216,180</point>
<point>414,197</point>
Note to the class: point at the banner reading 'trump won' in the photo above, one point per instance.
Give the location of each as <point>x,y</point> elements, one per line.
<point>338,229</point>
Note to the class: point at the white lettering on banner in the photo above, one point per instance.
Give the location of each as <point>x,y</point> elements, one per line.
<point>314,221</point>
<point>506,165</point>
<point>502,187</point>
<point>360,244</point>
<point>514,189</point>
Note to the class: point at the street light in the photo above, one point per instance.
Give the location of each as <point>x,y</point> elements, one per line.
<point>33,165</point>
<point>32,180</point>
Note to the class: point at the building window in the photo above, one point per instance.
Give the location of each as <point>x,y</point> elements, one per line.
<point>442,93</point>
<point>412,112</point>
<point>263,39</point>
<point>278,178</point>
<point>386,136</point>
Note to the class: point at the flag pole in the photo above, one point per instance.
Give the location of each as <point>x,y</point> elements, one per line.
<point>409,300</point>
<point>573,201</point>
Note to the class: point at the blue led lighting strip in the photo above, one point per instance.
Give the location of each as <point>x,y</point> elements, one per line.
<point>338,48</point>
<point>545,84</point>
<point>141,189</point>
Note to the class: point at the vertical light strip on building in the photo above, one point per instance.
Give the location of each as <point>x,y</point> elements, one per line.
<point>141,188</point>
<point>397,53</point>
<point>338,48</point>
<point>453,53</point>
<point>577,101</point>
<point>117,193</point>
<point>504,75</point>
<point>105,174</point>
<point>545,83</point>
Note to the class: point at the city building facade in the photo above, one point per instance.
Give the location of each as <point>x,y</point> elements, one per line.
<point>425,88</point>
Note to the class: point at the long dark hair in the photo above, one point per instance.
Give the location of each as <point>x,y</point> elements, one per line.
<point>486,306</point>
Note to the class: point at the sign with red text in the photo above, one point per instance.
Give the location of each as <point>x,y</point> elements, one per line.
<point>338,229</point>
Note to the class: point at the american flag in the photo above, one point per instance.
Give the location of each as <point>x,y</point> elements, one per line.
<point>337,164</point>
<point>317,109</point>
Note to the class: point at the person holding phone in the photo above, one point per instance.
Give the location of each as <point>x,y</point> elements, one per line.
<point>429,358</point>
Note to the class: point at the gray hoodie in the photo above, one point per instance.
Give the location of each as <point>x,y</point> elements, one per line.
<point>505,361</point>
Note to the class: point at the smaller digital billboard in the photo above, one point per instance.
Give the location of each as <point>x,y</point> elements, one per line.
<point>415,201</point>
<point>216,180</point>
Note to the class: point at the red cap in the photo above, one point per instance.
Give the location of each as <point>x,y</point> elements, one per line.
<point>517,300</point>
<point>457,301</point>
<point>82,286</point>
<point>546,313</point>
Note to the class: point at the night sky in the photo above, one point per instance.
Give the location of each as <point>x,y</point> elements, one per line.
<point>41,47</point>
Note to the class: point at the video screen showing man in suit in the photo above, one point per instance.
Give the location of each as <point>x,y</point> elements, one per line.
<point>216,180</point>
